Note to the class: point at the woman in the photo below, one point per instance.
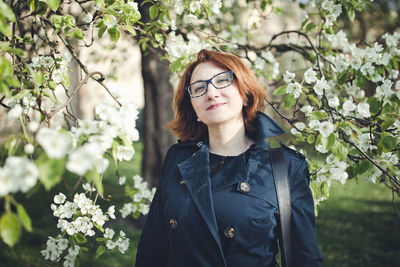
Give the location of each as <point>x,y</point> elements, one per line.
<point>216,203</point>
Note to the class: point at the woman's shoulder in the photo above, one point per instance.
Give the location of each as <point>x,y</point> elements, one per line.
<point>292,154</point>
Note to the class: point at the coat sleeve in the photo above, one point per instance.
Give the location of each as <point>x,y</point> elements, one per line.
<point>153,243</point>
<point>304,243</point>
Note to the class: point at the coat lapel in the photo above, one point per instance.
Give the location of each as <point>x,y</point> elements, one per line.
<point>196,173</point>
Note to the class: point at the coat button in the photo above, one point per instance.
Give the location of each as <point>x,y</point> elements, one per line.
<point>173,223</point>
<point>229,232</point>
<point>199,144</point>
<point>244,187</point>
<point>182,182</point>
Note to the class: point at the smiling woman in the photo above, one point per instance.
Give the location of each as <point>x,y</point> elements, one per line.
<point>216,203</point>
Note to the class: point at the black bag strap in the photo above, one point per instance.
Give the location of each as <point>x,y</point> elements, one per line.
<point>281,179</point>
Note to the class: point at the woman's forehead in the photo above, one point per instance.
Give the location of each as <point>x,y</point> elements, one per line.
<point>205,71</point>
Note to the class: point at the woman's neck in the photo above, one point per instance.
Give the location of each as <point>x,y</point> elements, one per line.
<point>228,141</point>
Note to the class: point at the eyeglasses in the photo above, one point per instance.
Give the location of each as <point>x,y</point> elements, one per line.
<point>219,81</point>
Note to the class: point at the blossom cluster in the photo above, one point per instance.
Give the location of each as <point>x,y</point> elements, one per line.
<point>18,174</point>
<point>141,198</point>
<point>112,123</point>
<point>77,219</point>
<point>333,11</point>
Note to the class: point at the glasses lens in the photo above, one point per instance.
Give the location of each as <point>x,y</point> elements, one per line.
<point>197,89</point>
<point>222,80</point>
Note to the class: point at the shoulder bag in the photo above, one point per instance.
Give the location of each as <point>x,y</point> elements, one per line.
<point>281,180</point>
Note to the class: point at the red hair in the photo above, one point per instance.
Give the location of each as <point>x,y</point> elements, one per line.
<point>185,124</point>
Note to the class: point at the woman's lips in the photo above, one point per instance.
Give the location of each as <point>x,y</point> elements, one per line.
<point>215,106</point>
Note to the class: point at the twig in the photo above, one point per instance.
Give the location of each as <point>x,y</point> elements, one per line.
<point>393,179</point>
<point>51,113</point>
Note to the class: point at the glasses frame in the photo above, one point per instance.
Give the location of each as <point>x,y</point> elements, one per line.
<point>208,82</point>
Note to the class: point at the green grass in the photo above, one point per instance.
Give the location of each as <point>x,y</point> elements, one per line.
<point>356,226</point>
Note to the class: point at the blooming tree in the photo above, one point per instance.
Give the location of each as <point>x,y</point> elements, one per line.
<point>341,99</point>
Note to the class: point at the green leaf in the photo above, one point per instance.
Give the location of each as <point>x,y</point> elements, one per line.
<point>315,100</point>
<point>78,34</point>
<point>65,78</point>
<point>319,115</point>
<point>263,5</point>
<point>114,33</point>
<point>80,239</point>
<point>51,170</point>
<point>102,29</point>
<point>387,123</point>
<point>24,218</point>
<point>311,139</point>
<point>374,105</point>
<point>4,27</point>
<point>389,143</point>
<point>32,4</point>
<point>340,150</point>
<point>330,141</point>
<point>176,65</point>
<point>351,13</point>
<point>289,101</point>
<point>6,12</point>
<point>159,38</point>
<point>38,77</point>
<point>57,21</point>
<point>153,12</point>
<point>364,165</point>
<point>100,251</point>
<point>100,3</point>
<point>94,176</point>
<point>69,20</point>
<point>395,64</point>
<point>6,68</point>
<point>280,90</point>
<point>310,26</point>
<point>352,171</point>
<point>130,29</point>
<point>342,78</point>
<point>10,228</point>
<point>53,4</point>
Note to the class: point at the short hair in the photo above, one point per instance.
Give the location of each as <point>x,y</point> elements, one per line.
<point>185,125</point>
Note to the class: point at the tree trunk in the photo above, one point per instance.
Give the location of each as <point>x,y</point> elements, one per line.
<point>157,112</point>
<point>157,108</point>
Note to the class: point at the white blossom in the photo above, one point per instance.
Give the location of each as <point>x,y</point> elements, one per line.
<point>125,153</point>
<point>55,143</point>
<point>310,76</point>
<point>29,148</point>
<point>314,124</point>
<point>307,110</point>
<point>15,112</point>
<point>363,110</point>
<point>348,106</point>
<point>60,198</point>
<point>288,76</point>
<point>333,102</point>
<point>326,128</point>
<point>108,233</point>
<point>320,85</point>
<point>110,20</point>
<point>294,88</point>
<point>122,180</point>
<point>56,76</point>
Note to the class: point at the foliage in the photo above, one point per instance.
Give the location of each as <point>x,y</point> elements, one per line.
<point>343,97</point>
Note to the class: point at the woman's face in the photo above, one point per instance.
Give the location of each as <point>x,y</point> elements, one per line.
<point>216,106</point>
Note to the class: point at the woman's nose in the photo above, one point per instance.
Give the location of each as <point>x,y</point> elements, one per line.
<point>212,91</point>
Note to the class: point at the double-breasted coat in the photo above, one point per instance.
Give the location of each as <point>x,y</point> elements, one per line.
<point>182,230</point>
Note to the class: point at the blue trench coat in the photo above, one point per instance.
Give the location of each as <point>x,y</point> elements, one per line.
<point>181,228</point>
